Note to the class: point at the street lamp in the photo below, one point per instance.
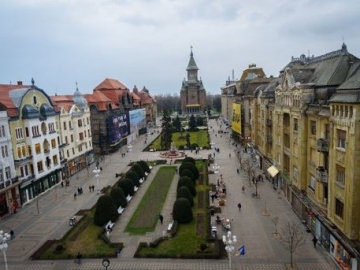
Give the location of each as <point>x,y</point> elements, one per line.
<point>97,171</point>
<point>3,245</point>
<point>229,241</point>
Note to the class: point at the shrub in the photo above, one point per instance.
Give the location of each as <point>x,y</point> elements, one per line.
<point>138,169</point>
<point>194,146</point>
<point>189,159</point>
<point>118,196</point>
<point>105,211</point>
<point>127,186</point>
<point>189,166</point>
<point>186,181</point>
<point>184,192</point>
<point>188,173</point>
<point>134,177</point>
<point>182,211</point>
<point>144,166</point>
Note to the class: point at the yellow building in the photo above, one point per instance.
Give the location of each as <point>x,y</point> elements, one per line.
<point>306,135</point>
<point>35,138</point>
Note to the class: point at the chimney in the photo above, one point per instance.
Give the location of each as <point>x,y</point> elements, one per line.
<point>19,82</point>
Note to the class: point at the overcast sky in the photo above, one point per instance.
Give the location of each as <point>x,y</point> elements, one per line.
<point>147,42</point>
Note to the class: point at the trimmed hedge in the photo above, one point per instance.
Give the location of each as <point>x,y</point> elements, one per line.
<point>182,211</point>
<point>105,210</point>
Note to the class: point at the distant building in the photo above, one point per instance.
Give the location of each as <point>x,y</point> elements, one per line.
<point>192,93</point>
<point>148,102</point>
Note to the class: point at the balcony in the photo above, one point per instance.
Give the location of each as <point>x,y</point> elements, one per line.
<point>269,139</point>
<point>22,160</point>
<point>268,122</point>
<point>322,145</point>
<point>321,174</point>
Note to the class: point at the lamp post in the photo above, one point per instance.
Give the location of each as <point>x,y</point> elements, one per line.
<point>229,241</point>
<point>3,245</point>
<point>97,171</point>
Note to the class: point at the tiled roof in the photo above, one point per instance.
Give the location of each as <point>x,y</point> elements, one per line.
<point>7,101</point>
<point>100,100</point>
<point>110,84</point>
<point>353,81</point>
<point>351,96</point>
<point>252,73</point>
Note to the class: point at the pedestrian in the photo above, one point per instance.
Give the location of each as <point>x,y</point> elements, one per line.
<point>89,188</point>
<point>161,218</point>
<point>75,196</point>
<point>314,241</point>
<point>229,155</point>
<point>243,189</point>
<point>62,183</point>
<point>239,206</point>
<point>12,235</point>
<point>78,258</point>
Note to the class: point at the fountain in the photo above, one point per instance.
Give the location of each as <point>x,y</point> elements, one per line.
<point>172,153</point>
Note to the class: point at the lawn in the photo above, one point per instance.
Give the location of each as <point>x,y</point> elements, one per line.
<point>200,137</point>
<point>146,214</point>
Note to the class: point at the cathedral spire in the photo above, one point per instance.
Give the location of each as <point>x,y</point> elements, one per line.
<point>192,65</point>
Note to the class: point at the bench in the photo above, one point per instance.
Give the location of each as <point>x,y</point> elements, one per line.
<point>120,210</point>
<point>141,180</point>
<point>109,225</point>
<point>170,226</point>
<point>128,198</point>
<point>135,188</point>
<point>146,173</point>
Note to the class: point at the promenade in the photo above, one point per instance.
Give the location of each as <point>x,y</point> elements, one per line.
<point>47,218</point>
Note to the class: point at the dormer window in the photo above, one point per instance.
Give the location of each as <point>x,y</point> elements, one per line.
<point>34,100</point>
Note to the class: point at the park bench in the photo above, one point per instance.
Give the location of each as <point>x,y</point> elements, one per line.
<point>141,180</point>
<point>109,225</point>
<point>135,188</point>
<point>128,198</point>
<point>170,226</point>
<point>120,210</point>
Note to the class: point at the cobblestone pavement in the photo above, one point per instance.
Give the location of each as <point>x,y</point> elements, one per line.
<point>47,218</point>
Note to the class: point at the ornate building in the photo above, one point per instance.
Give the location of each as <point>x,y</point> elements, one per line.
<point>306,132</point>
<point>192,93</point>
<point>76,151</point>
<point>148,102</point>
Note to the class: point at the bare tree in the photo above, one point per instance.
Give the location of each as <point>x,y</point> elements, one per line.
<point>292,237</point>
<point>275,220</point>
<point>249,169</point>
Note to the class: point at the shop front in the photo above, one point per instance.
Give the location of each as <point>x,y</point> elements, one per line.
<point>344,258</point>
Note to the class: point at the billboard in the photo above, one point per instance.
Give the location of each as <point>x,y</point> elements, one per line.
<point>137,120</point>
<point>117,128</point>
<point>236,118</point>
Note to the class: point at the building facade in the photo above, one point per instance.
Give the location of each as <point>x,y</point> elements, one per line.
<point>192,93</point>
<point>306,134</point>
<point>76,150</point>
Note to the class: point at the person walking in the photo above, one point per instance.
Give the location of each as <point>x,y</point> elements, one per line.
<point>161,218</point>
<point>314,240</point>
<point>239,206</point>
<point>78,258</point>
<point>12,235</point>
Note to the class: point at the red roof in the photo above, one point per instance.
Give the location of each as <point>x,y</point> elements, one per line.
<point>100,100</point>
<point>113,89</point>
<point>65,101</point>
<point>5,99</point>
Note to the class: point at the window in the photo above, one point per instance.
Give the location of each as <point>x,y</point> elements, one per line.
<point>312,183</point>
<point>55,159</point>
<point>341,138</point>
<point>1,175</point>
<point>87,120</point>
<point>19,133</point>
<point>4,151</point>
<point>40,166</point>
<point>53,143</point>
<point>51,128</point>
<point>37,148</point>
<point>18,151</point>
<point>66,140</point>
<point>29,150</point>
<point>313,127</point>
<point>67,153</point>
<point>23,150</point>
<point>80,123</point>
<point>89,133</point>
<point>73,151</point>
<point>72,138</point>
<point>7,173</point>
<point>64,125</point>
<point>35,131</point>
<point>295,173</point>
<point>340,175</point>
<point>22,172</point>
<point>81,136</point>
<point>339,208</point>
<point>27,131</point>
<point>295,124</point>
<point>2,132</point>
<point>70,126</point>
<point>313,156</point>
<point>26,170</point>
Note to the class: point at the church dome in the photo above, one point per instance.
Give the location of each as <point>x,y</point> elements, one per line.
<point>79,99</point>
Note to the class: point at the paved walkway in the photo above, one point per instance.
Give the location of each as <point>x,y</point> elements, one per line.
<point>47,218</point>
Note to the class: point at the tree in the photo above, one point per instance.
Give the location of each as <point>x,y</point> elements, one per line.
<point>249,169</point>
<point>183,192</point>
<point>166,132</point>
<point>127,186</point>
<point>144,166</point>
<point>182,211</point>
<point>191,167</point>
<point>187,182</point>
<point>292,237</point>
<point>188,140</point>
<point>105,210</point>
<point>133,176</point>
<point>136,167</point>
<point>199,121</point>
<point>177,124</point>
<point>192,123</point>
<point>188,173</point>
<point>118,196</point>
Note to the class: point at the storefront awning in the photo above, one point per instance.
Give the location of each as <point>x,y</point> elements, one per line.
<point>273,171</point>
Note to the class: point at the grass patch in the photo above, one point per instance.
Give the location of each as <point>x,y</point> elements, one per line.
<point>146,214</point>
<point>84,237</point>
<point>200,137</point>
